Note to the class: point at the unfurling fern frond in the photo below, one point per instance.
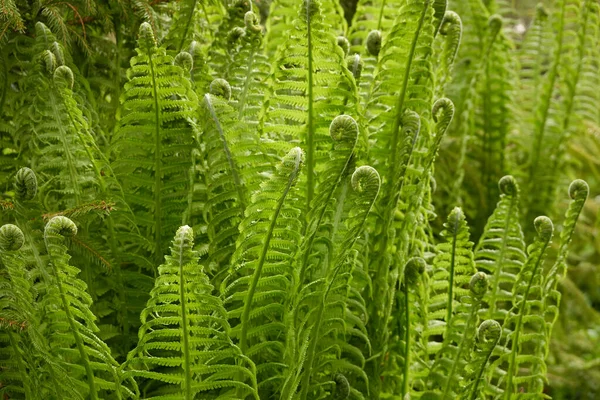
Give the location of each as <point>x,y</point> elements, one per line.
<point>311,86</point>
<point>488,336</point>
<point>257,287</point>
<point>520,366</point>
<point>184,338</point>
<point>154,141</point>
<point>578,191</point>
<point>17,300</point>
<point>501,251</point>
<point>452,268</point>
<point>323,302</point>
<point>450,33</point>
<point>26,185</point>
<point>448,370</point>
<point>248,73</point>
<point>71,327</point>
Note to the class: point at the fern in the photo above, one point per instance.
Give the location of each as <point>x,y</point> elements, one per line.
<point>448,369</point>
<point>578,191</point>
<point>153,143</point>
<point>501,250</point>
<point>184,338</point>
<point>523,358</point>
<point>71,325</point>
<point>255,289</point>
<point>311,87</point>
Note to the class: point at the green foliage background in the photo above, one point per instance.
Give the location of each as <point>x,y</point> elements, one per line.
<point>221,211</point>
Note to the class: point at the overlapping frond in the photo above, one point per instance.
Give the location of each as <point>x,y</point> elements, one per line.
<point>257,287</point>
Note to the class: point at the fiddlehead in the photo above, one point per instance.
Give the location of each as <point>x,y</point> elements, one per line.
<point>26,184</point>
<point>11,238</point>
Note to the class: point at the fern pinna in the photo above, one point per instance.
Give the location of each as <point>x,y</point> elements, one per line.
<point>290,199</point>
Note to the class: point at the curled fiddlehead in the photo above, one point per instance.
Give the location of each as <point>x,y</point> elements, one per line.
<point>343,128</point>
<point>344,44</point>
<point>63,77</point>
<point>508,185</point>
<point>374,42</point>
<point>355,65</point>
<point>184,60</point>
<point>26,184</point>
<point>11,238</point>
<point>342,387</point>
<point>478,285</point>
<point>220,87</point>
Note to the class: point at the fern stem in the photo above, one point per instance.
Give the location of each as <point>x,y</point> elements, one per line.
<point>157,169</point>
<point>310,139</point>
<point>406,369</point>
<point>187,363</point>
<point>450,302</point>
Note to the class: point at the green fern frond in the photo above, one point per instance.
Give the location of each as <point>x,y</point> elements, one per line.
<point>248,73</point>
<point>282,16</point>
<point>184,339</point>
<point>226,37</point>
<point>324,299</point>
<point>256,289</point>
<point>501,251</point>
<point>578,191</point>
<point>447,372</point>
<point>452,268</point>
<point>235,164</point>
<point>522,358</point>
<point>450,34</point>
<point>488,336</point>
<point>71,325</point>
<point>154,141</point>
<point>311,86</point>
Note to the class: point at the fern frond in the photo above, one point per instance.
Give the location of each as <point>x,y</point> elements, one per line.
<point>256,289</point>
<point>71,325</point>
<point>311,86</point>
<point>325,297</point>
<point>578,191</point>
<point>488,336</point>
<point>234,166</point>
<point>248,73</point>
<point>448,370</point>
<point>154,141</point>
<point>184,338</point>
<point>521,365</point>
<point>282,16</point>
<point>452,268</point>
<point>501,251</point>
